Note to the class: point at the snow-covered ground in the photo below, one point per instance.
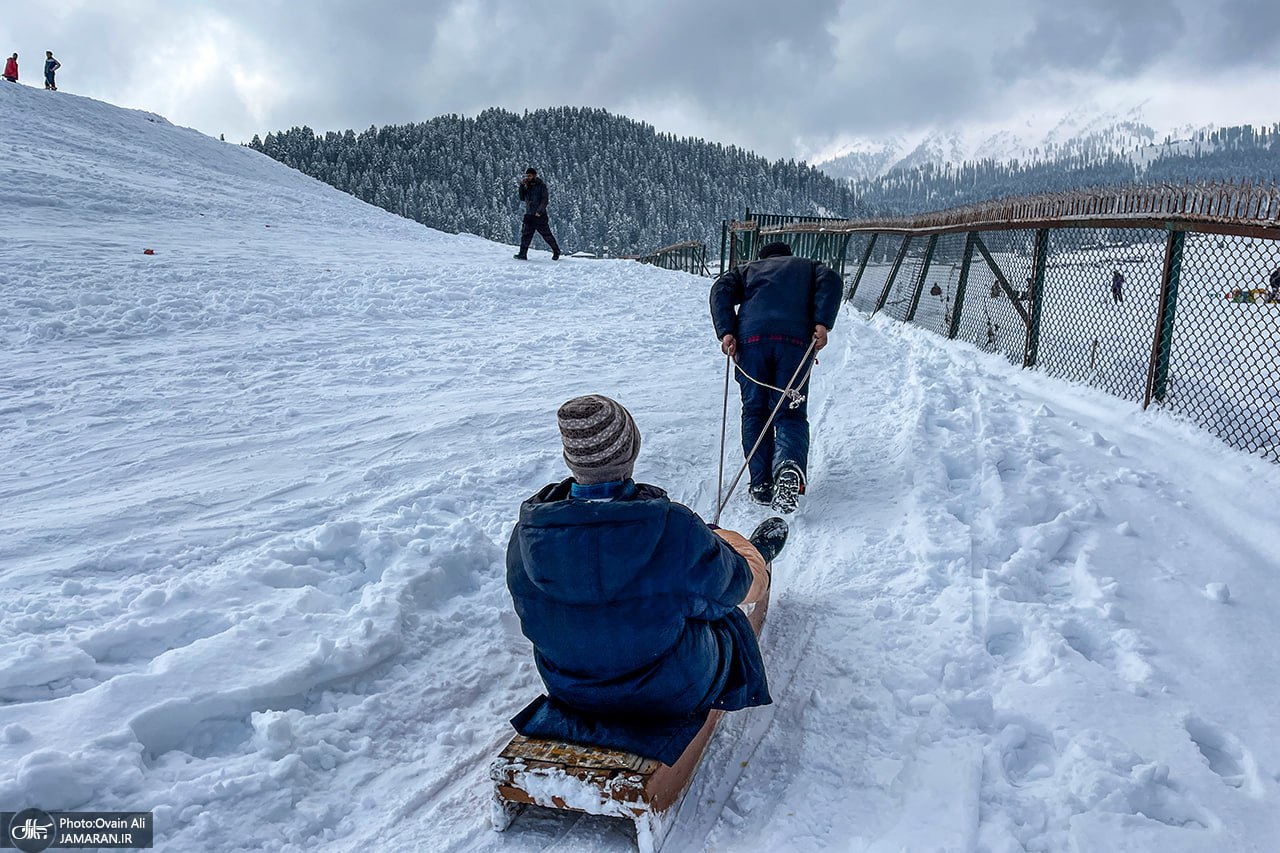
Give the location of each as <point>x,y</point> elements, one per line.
<point>256,490</point>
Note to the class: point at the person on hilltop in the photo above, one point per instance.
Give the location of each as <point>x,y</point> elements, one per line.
<point>51,65</point>
<point>11,69</point>
<point>632,602</point>
<point>534,194</point>
<point>767,314</point>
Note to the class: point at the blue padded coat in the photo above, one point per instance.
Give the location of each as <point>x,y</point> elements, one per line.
<point>780,295</point>
<point>631,605</point>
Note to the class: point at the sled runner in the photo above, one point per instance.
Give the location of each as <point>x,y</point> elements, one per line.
<point>608,782</point>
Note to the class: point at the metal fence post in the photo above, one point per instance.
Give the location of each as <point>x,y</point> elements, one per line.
<point>843,242</point>
<point>924,273</point>
<point>958,305</point>
<point>1162,346</point>
<point>724,237</point>
<point>1040,261</point>
<point>866,259</point>
<point>893,273</point>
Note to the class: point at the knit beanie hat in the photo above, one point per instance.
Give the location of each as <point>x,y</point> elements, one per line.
<point>600,439</point>
<point>768,250</point>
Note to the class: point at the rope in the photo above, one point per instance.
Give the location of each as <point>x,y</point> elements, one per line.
<point>724,423</point>
<point>792,394</point>
<point>785,394</point>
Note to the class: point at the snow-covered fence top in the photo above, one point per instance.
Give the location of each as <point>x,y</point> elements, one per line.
<point>1228,207</point>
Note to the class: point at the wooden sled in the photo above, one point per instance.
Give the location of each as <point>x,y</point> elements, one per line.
<point>608,782</point>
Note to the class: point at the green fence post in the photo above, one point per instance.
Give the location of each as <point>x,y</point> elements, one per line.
<point>1032,352</point>
<point>862,267</point>
<point>957,306</point>
<point>724,240</point>
<point>924,272</point>
<point>841,240</point>
<point>893,273</point>
<point>1162,347</point>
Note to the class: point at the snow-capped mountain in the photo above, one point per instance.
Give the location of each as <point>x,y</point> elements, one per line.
<point>1083,132</point>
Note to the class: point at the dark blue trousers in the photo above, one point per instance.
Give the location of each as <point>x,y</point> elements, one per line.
<point>542,227</point>
<point>772,362</point>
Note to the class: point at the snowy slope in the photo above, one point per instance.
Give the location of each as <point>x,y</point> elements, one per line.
<point>257,490</point>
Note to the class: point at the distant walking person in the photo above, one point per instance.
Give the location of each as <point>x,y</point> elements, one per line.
<point>767,314</point>
<point>50,66</point>
<point>534,194</point>
<point>1117,287</point>
<point>11,69</point>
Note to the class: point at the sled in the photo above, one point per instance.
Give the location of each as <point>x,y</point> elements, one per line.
<point>593,780</point>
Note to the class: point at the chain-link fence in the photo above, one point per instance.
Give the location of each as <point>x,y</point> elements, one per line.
<point>1164,295</point>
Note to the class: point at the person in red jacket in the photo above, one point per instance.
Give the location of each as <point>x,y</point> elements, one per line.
<point>11,69</point>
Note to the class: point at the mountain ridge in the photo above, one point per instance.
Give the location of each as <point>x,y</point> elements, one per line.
<point>1085,131</point>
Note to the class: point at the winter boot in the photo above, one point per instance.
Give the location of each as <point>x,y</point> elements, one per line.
<point>769,537</point>
<point>788,486</point>
<point>555,256</point>
<point>520,257</point>
<point>762,494</point>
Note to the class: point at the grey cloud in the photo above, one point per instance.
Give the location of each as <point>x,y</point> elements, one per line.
<point>1100,37</point>
<point>760,78</point>
<point>1236,33</point>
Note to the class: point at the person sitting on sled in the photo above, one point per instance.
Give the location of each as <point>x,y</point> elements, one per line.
<point>632,602</point>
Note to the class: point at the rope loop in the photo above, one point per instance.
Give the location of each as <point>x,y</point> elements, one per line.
<point>792,394</point>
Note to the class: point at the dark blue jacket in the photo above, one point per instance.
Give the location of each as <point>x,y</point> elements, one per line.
<point>781,295</point>
<point>631,604</point>
<point>535,196</point>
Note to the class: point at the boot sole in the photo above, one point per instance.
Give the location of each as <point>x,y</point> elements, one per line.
<point>786,492</point>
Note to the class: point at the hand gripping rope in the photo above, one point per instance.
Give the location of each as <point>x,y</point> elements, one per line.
<point>791,392</point>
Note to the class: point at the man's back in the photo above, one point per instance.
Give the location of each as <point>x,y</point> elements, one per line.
<point>778,295</point>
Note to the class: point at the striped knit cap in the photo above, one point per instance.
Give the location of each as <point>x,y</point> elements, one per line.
<point>601,441</point>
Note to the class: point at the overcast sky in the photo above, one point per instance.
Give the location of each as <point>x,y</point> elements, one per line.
<point>784,79</point>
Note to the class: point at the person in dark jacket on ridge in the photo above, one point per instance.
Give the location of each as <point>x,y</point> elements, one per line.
<point>765,314</point>
<point>534,194</point>
<point>51,65</point>
<point>632,602</point>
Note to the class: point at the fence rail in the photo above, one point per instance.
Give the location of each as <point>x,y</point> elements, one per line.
<point>1163,295</point>
<point>1237,208</point>
<point>690,257</point>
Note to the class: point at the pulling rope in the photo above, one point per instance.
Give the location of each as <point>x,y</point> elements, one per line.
<point>786,393</point>
<point>792,394</point>
<point>724,421</point>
